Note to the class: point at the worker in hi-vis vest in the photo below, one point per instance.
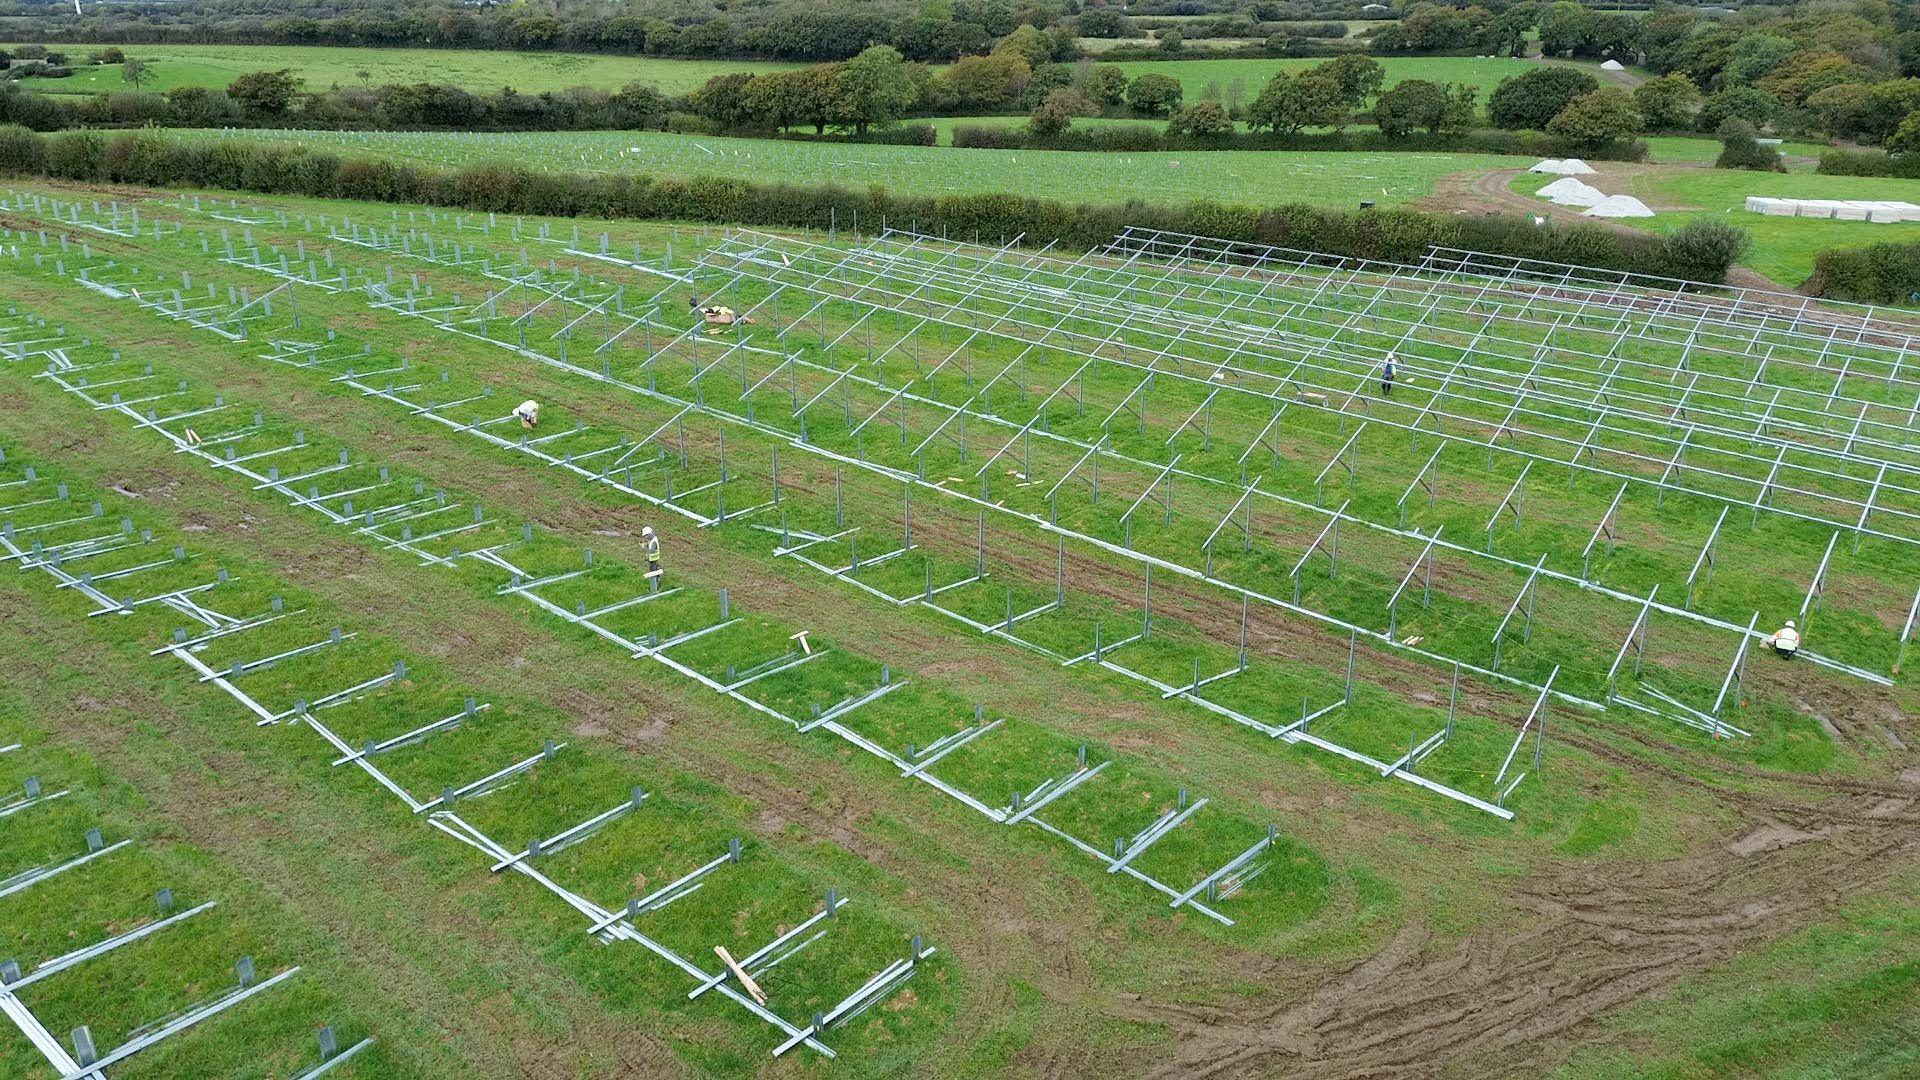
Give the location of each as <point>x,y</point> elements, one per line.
<point>1785,641</point>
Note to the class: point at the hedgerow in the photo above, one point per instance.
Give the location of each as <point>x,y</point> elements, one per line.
<point>153,160</point>
<point>1876,274</point>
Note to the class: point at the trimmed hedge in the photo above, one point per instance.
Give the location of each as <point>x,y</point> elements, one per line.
<point>1139,139</point>
<point>1875,274</point>
<point>1869,163</point>
<point>1397,235</point>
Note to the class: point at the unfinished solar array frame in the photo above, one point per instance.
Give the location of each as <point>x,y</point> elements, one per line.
<point>308,354</point>
<point>558,289</point>
<point>439,809</point>
<point>84,1059</point>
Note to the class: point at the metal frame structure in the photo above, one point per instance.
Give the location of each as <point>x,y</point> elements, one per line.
<point>526,585</point>
<point>483,315</point>
<point>1168,473</point>
<point>752,256</point>
<point>84,1060</point>
<point>440,811</point>
<point>1032,276</point>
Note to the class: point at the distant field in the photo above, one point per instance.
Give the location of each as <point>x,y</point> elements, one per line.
<point>1703,149</point>
<point>320,66</point>
<point>1664,149</point>
<point>944,125</point>
<point>1783,248</point>
<point>1100,45</point>
<point>1194,75</point>
<point>1246,177</point>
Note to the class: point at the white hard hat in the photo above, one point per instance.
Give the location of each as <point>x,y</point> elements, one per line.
<point>1789,624</point>
<point>647,530</point>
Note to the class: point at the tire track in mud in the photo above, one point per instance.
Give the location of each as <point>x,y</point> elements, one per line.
<point>1594,938</point>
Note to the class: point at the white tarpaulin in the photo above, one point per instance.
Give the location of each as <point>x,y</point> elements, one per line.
<point>1613,65</point>
<point>1841,209</point>
<point>1567,191</point>
<point>1617,206</point>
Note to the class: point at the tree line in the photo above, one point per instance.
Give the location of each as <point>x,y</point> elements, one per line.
<point>790,30</point>
<point>1787,72</point>
<point>1843,69</point>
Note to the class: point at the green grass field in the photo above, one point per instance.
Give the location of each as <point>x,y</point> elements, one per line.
<point>1704,149</point>
<point>1661,150</point>
<point>217,65</point>
<point>320,66</point>
<point>1641,845</point>
<point>1783,248</point>
<point>1257,177</point>
<point>1197,47</point>
<point>944,125</point>
<point>1486,73</point>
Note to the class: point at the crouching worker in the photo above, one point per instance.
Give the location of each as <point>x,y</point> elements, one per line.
<point>528,413</point>
<point>1785,641</point>
<point>717,316</point>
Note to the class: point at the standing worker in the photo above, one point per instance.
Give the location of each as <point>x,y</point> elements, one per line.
<point>528,413</point>
<point>1785,641</point>
<point>653,553</point>
<point>1386,377</point>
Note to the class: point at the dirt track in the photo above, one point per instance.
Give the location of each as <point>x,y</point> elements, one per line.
<point>1598,940</point>
<point>1484,192</point>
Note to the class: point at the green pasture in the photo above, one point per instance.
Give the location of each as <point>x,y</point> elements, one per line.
<point>1196,75</point>
<point>320,66</point>
<point>1232,176</point>
<point>475,69</point>
<point>1783,247</point>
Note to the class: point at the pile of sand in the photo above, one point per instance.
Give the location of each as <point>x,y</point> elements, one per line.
<point>1569,167</point>
<point>1619,206</point>
<point>1567,191</point>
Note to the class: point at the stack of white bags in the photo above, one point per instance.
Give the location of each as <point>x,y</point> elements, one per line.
<point>1835,209</point>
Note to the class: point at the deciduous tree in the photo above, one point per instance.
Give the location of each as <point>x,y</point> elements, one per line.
<point>265,93</point>
<point>1597,119</point>
<point>1531,99</point>
<point>1154,95</point>
<point>873,88</point>
<point>1666,103</point>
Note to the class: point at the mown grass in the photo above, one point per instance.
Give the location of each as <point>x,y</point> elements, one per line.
<point>1237,176</point>
<point>175,968</point>
<point>1535,661</point>
<point>1020,761</point>
<point>214,66</point>
<point>1783,247</point>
